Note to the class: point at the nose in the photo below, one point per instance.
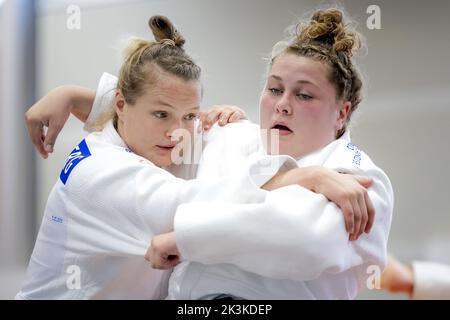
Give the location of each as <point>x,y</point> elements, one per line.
<point>283,106</point>
<point>178,124</point>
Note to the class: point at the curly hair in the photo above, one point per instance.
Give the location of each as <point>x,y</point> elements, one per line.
<point>328,39</point>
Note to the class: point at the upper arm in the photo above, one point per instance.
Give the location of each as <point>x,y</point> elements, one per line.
<point>103,101</point>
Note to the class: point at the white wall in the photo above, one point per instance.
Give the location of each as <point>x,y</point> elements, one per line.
<point>17,179</point>
<point>403,123</point>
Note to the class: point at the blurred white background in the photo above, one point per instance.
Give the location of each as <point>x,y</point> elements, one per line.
<point>403,122</point>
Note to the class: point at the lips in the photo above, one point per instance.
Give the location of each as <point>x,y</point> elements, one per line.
<point>282,128</point>
<point>167,147</point>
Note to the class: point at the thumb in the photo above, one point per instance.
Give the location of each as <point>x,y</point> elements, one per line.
<point>366,182</point>
<point>50,137</point>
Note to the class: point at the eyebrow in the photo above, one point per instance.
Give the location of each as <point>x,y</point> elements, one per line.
<point>298,81</point>
<point>172,107</point>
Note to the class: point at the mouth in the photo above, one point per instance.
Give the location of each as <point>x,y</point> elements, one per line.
<point>166,147</point>
<point>282,129</point>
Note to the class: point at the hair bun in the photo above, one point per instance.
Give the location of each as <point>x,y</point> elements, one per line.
<point>327,16</point>
<point>164,30</point>
<point>327,27</point>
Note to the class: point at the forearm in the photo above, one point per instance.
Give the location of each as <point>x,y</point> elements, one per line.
<point>80,100</point>
<point>306,177</point>
<point>280,238</point>
<point>76,99</point>
<point>295,234</point>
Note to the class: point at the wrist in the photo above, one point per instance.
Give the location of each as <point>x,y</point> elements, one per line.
<point>308,177</point>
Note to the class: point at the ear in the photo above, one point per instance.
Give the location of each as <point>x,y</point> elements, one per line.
<point>343,114</point>
<point>119,104</point>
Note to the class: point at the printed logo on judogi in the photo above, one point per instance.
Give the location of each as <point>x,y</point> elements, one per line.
<point>79,153</point>
<point>357,153</point>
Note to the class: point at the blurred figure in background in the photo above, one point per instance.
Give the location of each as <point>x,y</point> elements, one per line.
<point>420,280</point>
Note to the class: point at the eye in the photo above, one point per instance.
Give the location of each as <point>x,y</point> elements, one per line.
<point>160,114</point>
<point>190,116</point>
<point>305,97</point>
<point>275,91</point>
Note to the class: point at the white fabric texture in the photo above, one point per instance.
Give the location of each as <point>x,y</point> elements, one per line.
<point>101,216</point>
<point>103,101</point>
<point>431,281</point>
<point>286,244</point>
<point>292,245</point>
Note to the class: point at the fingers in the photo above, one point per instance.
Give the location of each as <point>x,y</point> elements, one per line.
<point>222,114</point>
<point>210,117</point>
<point>366,182</point>
<point>364,214</point>
<point>356,217</point>
<point>36,133</point>
<point>52,133</point>
<point>230,115</point>
<point>164,262</point>
<point>160,260</point>
<point>370,212</point>
<point>237,115</point>
<point>163,253</point>
<point>347,210</point>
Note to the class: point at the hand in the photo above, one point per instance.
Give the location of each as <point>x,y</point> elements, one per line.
<point>397,277</point>
<point>223,114</point>
<point>52,111</point>
<point>163,252</point>
<point>348,192</point>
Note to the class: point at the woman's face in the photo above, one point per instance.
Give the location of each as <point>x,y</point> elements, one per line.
<point>300,103</point>
<point>147,126</point>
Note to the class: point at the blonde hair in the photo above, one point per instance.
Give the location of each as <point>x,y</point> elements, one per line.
<point>328,39</point>
<point>146,60</point>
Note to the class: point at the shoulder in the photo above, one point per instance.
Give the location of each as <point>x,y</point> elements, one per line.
<point>351,156</point>
<point>233,136</point>
<point>232,130</point>
<point>348,157</point>
<point>94,159</point>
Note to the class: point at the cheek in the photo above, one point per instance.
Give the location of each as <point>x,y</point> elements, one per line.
<point>189,126</point>
<point>313,113</point>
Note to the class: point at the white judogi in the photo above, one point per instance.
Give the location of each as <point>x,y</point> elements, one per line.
<point>101,216</point>
<point>294,234</point>
<point>431,280</point>
<point>291,233</point>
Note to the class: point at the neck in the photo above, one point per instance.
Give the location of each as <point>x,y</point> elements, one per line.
<point>118,125</point>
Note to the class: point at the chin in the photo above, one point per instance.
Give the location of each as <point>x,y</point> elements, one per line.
<point>164,163</point>
<point>286,149</point>
<point>161,161</point>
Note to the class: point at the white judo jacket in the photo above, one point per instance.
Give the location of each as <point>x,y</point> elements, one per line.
<point>287,244</point>
<point>291,245</point>
<point>100,218</point>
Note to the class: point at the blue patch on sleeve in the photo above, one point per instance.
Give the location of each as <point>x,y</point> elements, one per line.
<point>79,153</point>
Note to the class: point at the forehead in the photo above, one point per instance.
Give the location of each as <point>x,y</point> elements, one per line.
<point>295,68</point>
<point>174,91</point>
